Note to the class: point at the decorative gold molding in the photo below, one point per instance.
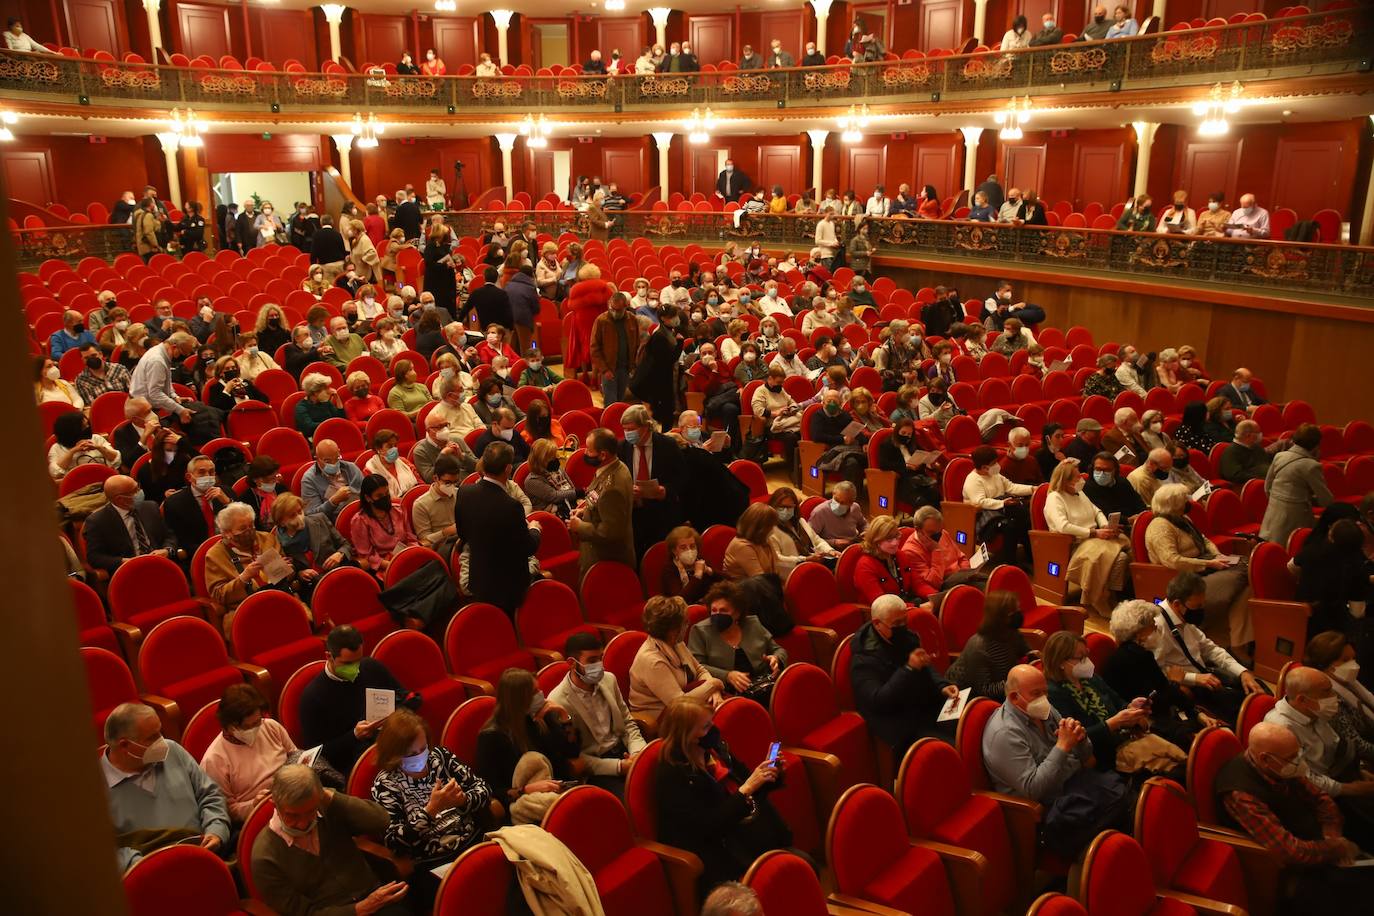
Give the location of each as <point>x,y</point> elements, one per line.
<point>1078,61</point>
<point>747,83</point>
<point>583,89</point>
<point>497,89</point>
<point>1333,34</point>
<point>1185,49</point>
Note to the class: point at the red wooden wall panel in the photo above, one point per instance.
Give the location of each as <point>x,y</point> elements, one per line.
<point>788,26</point>
<point>203,29</point>
<point>939,164</point>
<point>28,175</point>
<point>863,168</point>
<point>625,166</point>
<point>1208,166</point>
<point>712,37</point>
<point>1307,176</point>
<point>623,33</point>
<point>384,38</point>
<point>1023,166</point>
<point>780,165</point>
<point>455,40</point>
<point>251,153</point>
<point>1098,176</point>
<point>96,24</point>
<point>287,35</point>
<point>942,24</point>
<point>703,171</point>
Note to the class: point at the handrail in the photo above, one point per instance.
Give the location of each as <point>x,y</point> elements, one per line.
<point>1319,43</point>
<point>1248,265</point>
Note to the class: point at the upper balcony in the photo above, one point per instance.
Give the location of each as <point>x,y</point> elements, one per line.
<point>1323,44</point>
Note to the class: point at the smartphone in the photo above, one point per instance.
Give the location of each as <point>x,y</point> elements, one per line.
<point>773,753</point>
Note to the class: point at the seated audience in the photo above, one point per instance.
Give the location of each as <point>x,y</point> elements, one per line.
<point>610,737</point>
<point>899,454</point>
<point>317,406</point>
<point>1111,492</point>
<point>664,668</point>
<point>750,552</point>
<point>1087,441</point>
<point>310,542</point>
<point>99,376</point>
<point>306,860</point>
<point>432,515</point>
<point>1215,678</point>
<point>157,793</point>
<point>248,751</point>
<point>1125,434</point>
<point>409,393</point>
<point>330,482</point>
<point>1051,450</point>
<point>734,647</point>
<point>1131,670</point>
<point>793,539</point>
<point>190,511</point>
<point>526,748</point>
<point>386,461</point>
<point>933,562</point>
<point>1101,554</point>
<point>1018,465</point>
<point>126,526</point>
<point>840,520</point>
<point>1333,654</point>
<point>686,573</point>
<point>1247,457</point>
<point>380,527</point>
<point>879,570</point>
<point>362,403</point>
<point>1267,794</point>
<point>1003,506</point>
<point>990,654</point>
<point>77,445</point>
<point>436,443</point>
<point>1334,572</point>
<point>1154,474</point>
<point>234,567</point>
<point>896,687</point>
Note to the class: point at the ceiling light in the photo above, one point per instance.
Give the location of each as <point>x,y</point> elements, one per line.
<point>699,126</point>
<point>1012,118</point>
<point>187,128</point>
<point>614,5</point>
<point>536,131</point>
<point>367,130</point>
<point>852,123</point>
<point>446,6</point>
<point>1220,102</point>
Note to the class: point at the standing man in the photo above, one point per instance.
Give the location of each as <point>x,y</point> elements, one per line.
<point>493,527</point>
<point>731,183</point>
<point>993,189</point>
<point>655,378</point>
<point>659,473</point>
<point>616,341</point>
<point>152,378</point>
<point>408,216</point>
<point>603,522</point>
<point>146,226</point>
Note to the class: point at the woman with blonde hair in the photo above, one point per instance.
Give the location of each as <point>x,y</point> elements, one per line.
<point>387,344</point>
<point>726,820</point>
<point>366,261</point>
<point>1101,553</point>
<point>879,570</point>
<point>272,328</point>
<point>525,748</point>
<point>750,552</point>
<point>664,668</point>
<point>48,384</point>
<point>548,486</point>
<point>395,244</point>
<point>865,410</point>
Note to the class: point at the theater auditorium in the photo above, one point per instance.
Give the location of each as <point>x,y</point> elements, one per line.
<point>744,458</point>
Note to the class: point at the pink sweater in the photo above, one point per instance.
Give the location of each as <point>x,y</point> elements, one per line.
<point>242,771</point>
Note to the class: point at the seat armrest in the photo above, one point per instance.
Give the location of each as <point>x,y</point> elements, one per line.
<point>823,643</point>
<point>966,869</point>
<point>256,908</point>
<point>1202,904</point>
<point>648,724</point>
<point>863,906</point>
<point>404,865</point>
<point>167,711</point>
<point>1035,639</point>
<point>256,675</point>
<point>1023,820</point>
<point>825,773</point>
<point>476,687</point>
<point>130,638</point>
<point>1072,617</point>
<point>608,630</point>
<point>683,869</point>
<point>1260,867</point>
<point>545,656</point>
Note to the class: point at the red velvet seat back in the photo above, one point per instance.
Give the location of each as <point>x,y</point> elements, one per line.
<point>628,878</point>
<point>181,879</point>
<point>108,683</point>
<point>620,654</point>
<point>348,594</point>
<point>961,614</point>
<point>183,654</point>
<point>611,593</point>
<point>549,611</point>
<point>268,620</point>
<point>1269,576</point>
<point>363,774</point>
<point>969,740</point>
<point>476,885</point>
<point>289,700</point>
<point>1116,877</point>
<point>1211,749</point>
<point>200,732</point>
<point>786,884</point>
<point>480,642</point>
<point>142,584</point>
<point>460,731</point>
<point>803,699</point>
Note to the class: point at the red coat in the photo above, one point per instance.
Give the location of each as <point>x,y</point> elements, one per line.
<point>872,579</point>
<point>586,300</point>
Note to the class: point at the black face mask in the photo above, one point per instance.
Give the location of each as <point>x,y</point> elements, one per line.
<point>711,740</point>
<point>937,398</point>
<point>78,328</point>
<point>1181,461</point>
<point>383,502</point>
<point>94,362</point>
<point>1194,616</point>
<point>1161,475</point>
<point>1016,620</point>
<point>722,622</point>
<point>591,460</point>
<point>228,375</point>
<point>274,322</point>
<point>552,465</point>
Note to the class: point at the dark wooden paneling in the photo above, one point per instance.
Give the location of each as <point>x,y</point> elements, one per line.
<point>788,26</point>
<point>779,165</point>
<point>455,40</point>
<point>203,29</point>
<point>626,167</point>
<point>384,38</point>
<point>712,37</point>
<point>1024,167</point>
<point>1097,175</point>
<point>288,35</point>
<point>1209,166</point>
<point>623,33</point>
<point>941,24</point>
<point>864,168</point>
<point>28,175</point>
<point>1307,176</point>
<point>96,24</point>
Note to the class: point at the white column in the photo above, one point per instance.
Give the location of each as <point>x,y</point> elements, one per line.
<point>822,11</point>
<point>1145,139</point>
<point>659,15</point>
<point>1366,236</point>
<point>154,26</point>
<point>170,142</point>
<point>971,135</point>
<point>817,149</point>
<point>1158,11</point>
<point>507,144</point>
<point>502,20</point>
<point>344,142</point>
<point>664,139</point>
<point>333,14</point>
<point>980,20</point>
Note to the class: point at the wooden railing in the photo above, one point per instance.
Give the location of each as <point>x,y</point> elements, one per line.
<point>1336,272</point>
<point>1319,44</point>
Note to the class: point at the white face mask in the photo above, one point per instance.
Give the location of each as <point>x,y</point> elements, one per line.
<point>1083,668</point>
<point>1347,671</point>
<point>1152,641</point>
<point>52,373</point>
<point>1328,706</point>
<point>1020,452</point>
<point>155,752</point>
<point>1039,708</point>
<point>341,334</point>
<point>248,735</point>
<point>416,763</point>
<point>448,489</point>
<point>687,557</point>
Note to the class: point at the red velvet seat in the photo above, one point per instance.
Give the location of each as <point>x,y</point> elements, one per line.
<point>272,630</point>
<point>201,730</point>
<point>1046,617</point>
<point>1052,904</point>
<point>874,860</point>
<point>418,664</point>
<point>480,643</point>
<point>806,715</point>
<point>108,683</point>
<point>144,591</point>
<point>968,741</point>
<point>476,885</point>
<point>1116,881</point>
<point>92,628</point>
<point>289,697</point>
<point>1280,621</point>
<point>348,595</point>
<point>363,774</point>
<point>611,593</point>
<point>460,731</point>
<point>1211,749</point>
<point>181,879</point>
<point>813,596</point>
<point>961,614</point>
<point>547,617</point>
<point>630,874</point>
<point>185,665</point>
<point>787,884</point>
<point>620,653</point>
<point>411,559</point>
<point>556,552</point>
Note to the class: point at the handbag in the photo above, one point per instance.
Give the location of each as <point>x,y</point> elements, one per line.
<point>1090,802</point>
<point>1148,752</point>
<point>424,594</point>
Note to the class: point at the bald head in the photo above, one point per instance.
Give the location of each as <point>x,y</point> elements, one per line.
<point>1305,686</point>
<point>1025,684</point>
<point>1272,738</point>
<point>327,451</point>
<point>119,485</point>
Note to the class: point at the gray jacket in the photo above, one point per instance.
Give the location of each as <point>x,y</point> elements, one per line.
<point>718,656</point>
<point>1294,483</point>
<point>1023,759</point>
<point>427,452</point>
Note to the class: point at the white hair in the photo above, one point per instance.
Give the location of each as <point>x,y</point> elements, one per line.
<point>1130,617</point>
<point>224,519</point>
<point>295,783</point>
<point>123,720</point>
<point>1168,355</point>
<point>887,607</point>
<point>926,513</point>
<point>314,383</point>
<point>1124,415</point>
<point>732,899</point>
<point>1018,433</point>
<point>135,406</point>
<point>846,487</point>
<point>1170,499</point>
<point>636,415</point>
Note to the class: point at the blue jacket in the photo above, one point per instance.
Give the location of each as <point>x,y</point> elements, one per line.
<point>60,342</point>
<point>524,299</point>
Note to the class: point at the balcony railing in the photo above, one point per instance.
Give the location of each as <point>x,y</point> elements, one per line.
<point>1342,273</point>
<point>1319,44</point>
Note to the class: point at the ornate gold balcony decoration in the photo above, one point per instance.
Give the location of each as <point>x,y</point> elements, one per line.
<point>899,231</point>
<point>739,85</point>
<point>1064,245</point>
<point>1183,50</point>
<point>224,84</point>
<point>827,81</point>
<point>36,71</point>
<point>1089,60</point>
<point>584,89</point>
<point>665,226</point>
<point>985,68</point>
<point>665,86</point>
<point>320,89</point>
<point>497,89</point>
<point>141,80</point>
<point>907,75</point>
<point>60,244</point>
<point>975,238</point>
<point>1334,33</point>
<point>1160,253</point>
<point>412,89</point>
<point>1278,263</point>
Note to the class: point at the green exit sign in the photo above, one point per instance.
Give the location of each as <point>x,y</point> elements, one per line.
<point>267,135</point>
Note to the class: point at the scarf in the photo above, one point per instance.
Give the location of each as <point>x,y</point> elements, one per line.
<point>1183,524</point>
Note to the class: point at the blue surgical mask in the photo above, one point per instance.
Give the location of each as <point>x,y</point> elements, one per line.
<point>593,672</point>
<point>330,469</point>
<point>1049,23</point>
<point>138,497</point>
<point>632,436</point>
<point>1102,478</point>
<point>693,433</point>
<point>785,513</point>
<point>494,400</point>
<point>392,454</point>
<point>416,763</point>
<point>837,508</point>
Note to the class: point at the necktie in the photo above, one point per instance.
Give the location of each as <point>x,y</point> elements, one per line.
<point>140,536</point>
<point>643,472</point>
<point>209,514</point>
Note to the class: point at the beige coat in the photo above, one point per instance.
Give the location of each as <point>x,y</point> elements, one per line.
<point>553,881</point>
<point>604,530</point>
<point>365,259</point>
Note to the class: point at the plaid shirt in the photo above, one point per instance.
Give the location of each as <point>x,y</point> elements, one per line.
<point>1266,829</point>
<point>91,386</point>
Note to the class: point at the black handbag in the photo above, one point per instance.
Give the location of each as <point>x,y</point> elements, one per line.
<point>425,594</point>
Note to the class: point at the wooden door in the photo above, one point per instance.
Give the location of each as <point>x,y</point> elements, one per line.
<point>780,165</point>
<point>1098,176</point>
<point>1210,166</point>
<point>1023,167</point>
<point>624,166</point>
<point>203,30</point>
<point>864,168</point>
<point>623,34</point>
<point>455,40</point>
<point>712,37</point>
<point>384,38</point>
<point>705,168</point>
<point>541,174</point>
<point>96,24</point>
<point>941,24</point>
<point>937,165</point>
<point>28,175</point>
<point>287,35</point>
<point>1306,177</point>
<point>788,26</point>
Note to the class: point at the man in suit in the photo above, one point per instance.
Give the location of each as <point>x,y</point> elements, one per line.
<point>190,511</point>
<point>1239,393</point>
<point>653,380</point>
<point>408,216</point>
<point>502,430</point>
<point>327,244</point>
<point>610,738</point>
<point>652,458</point>
<point>243,226</point>
<point>128,527</point>
<point>603,523</point>
<point>499,540</point>
<point>731,183</point>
